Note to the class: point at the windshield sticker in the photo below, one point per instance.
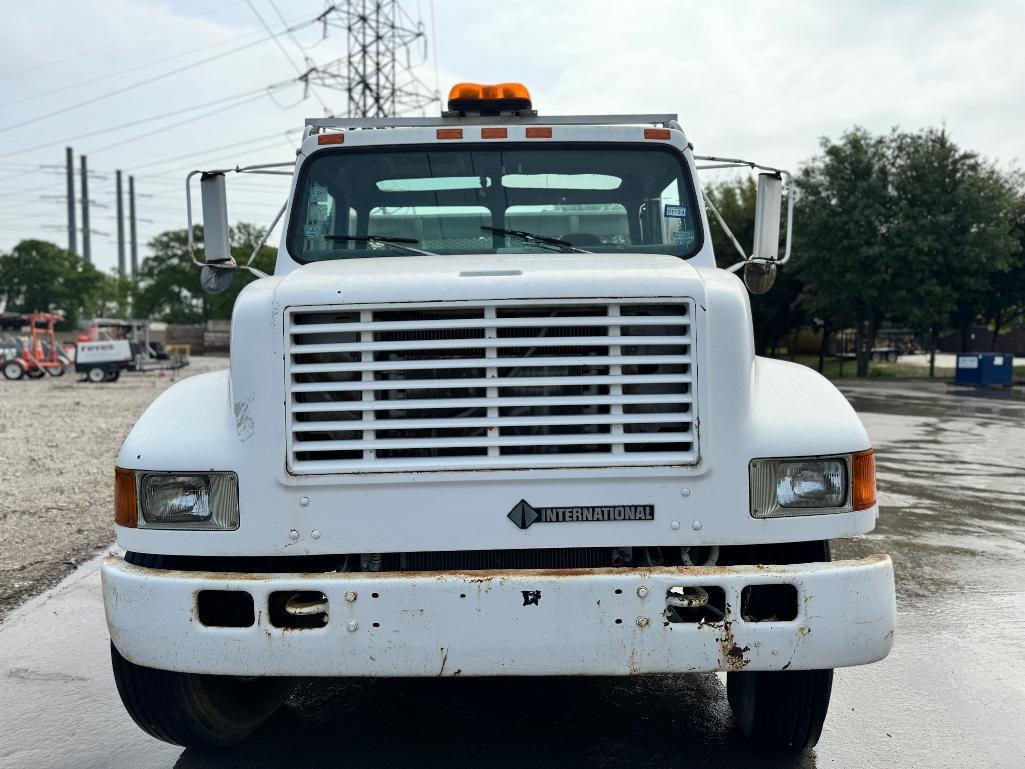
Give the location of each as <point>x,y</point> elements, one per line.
<point>675,212</point>
<point>684,238</point>
<point>311,230</point>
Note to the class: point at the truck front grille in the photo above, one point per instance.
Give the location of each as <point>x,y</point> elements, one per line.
<point>493,386</point>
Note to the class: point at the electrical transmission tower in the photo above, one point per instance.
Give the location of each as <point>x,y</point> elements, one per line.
<point>385,46</point>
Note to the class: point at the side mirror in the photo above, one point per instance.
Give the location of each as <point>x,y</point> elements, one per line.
<point>759,276</point>
<point>768,205</point>
<point>219,270</point>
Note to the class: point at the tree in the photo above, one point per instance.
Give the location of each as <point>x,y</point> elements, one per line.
<point>37,276</point>
<point>851,275</point>
<point>951,229</point>
<point>774,313</point>
<point>1005,302</point>
<point>169,283</point>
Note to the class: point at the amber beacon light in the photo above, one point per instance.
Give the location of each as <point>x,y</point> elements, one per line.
<point>495,99</point>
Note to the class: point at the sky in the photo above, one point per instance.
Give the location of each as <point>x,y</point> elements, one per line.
<point>158,88</point>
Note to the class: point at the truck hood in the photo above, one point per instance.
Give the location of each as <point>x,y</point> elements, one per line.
<point>488,276</point>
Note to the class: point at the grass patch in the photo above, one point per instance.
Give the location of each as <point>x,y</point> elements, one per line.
<point>882,370</point>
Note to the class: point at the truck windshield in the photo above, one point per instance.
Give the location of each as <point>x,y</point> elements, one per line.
<point>605,198</point>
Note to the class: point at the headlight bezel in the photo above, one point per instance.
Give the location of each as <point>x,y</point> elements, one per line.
<point>764,478</point>
<point>222,495</point>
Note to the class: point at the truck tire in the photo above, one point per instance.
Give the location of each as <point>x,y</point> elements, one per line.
<point>96,375</point>
<point>55,370</point>
<point>196,711</point>
<point>785,710</point>
<point>112,375</point>
<point>13,370</point>
<point>34,373</point>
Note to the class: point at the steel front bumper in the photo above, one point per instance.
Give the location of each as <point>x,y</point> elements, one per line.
<point>583,622</point>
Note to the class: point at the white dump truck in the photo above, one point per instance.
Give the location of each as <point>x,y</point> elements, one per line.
<point>496,413</point>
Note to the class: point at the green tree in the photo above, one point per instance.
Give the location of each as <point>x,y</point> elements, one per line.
<point>776,312</point>
<point>169,287</point>
<point>952,231</point>
<point>852,276</point>
<point>1005,302</point>
<point>38,276</point>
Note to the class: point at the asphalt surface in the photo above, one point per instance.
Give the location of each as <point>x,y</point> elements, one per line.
<point>951,694</point>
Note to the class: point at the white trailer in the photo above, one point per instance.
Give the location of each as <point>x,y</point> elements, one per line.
<point>104,360</point>
<point>496,412</point>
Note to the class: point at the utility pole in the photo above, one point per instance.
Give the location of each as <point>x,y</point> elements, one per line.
<point>69,158</point>
<point>132,240</point>
<point>86,251</point>
<point>120,225</point>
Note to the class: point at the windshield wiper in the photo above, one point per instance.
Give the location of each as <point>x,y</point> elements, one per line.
<point>388,240</point>
<point>555,244</point>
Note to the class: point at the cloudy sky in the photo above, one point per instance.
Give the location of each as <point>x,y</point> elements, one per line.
<point>159,87</point>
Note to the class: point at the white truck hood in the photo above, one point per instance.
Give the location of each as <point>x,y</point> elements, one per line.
<point>488,276</point>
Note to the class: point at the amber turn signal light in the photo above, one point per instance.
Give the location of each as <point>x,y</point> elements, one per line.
<point>863,480</point>
<point>125,509</point>
<point>656,133</point>
<point>331,139</point>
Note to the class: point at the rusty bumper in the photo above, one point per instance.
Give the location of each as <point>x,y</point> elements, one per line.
<point>559,622</point>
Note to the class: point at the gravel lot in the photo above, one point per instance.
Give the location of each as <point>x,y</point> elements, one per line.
<point>58,442</point>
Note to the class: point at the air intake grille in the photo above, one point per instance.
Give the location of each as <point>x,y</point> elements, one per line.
<point>484,387</point>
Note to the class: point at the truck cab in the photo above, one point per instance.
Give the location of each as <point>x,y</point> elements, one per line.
<point>496,413</point>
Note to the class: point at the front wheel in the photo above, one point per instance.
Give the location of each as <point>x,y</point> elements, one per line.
<point>780,710</point>
<point>96,375</point>
<point>13,370</point>
<point>196,711</point>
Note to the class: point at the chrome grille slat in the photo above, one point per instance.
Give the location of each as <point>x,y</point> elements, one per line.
<point>463,384</point>
<point>584,360</point>
<point>427,424</point>
<point>502,385</point>
<point>479,342</point>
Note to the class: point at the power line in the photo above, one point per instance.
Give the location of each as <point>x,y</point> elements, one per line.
<point>141,83</point>
<point>114,44</point>
<point>161,129</point>
<point>123,72</point>
<point>232,145</point>
<point>133,123</point>
<point>281,47</point>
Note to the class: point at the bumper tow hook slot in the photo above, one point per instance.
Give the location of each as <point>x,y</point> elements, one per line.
<point>301,606</point>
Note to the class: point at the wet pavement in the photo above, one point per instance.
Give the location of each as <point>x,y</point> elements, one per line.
<point>951,694</point>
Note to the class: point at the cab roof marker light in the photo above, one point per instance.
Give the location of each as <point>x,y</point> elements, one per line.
<point>494,133</point>
<point>539,132</point>
<point>335,138</point>
<point>449,133</point>
<point>656,133</point>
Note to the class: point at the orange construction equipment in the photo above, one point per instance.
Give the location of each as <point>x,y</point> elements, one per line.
<point>42,354</point>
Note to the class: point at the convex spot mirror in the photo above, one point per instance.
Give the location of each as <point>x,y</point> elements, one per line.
<point>759,276</point>
<point>215,279</point>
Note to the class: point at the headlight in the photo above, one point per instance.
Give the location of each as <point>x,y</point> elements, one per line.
<point>199,501</point>
<point>812,485</point>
